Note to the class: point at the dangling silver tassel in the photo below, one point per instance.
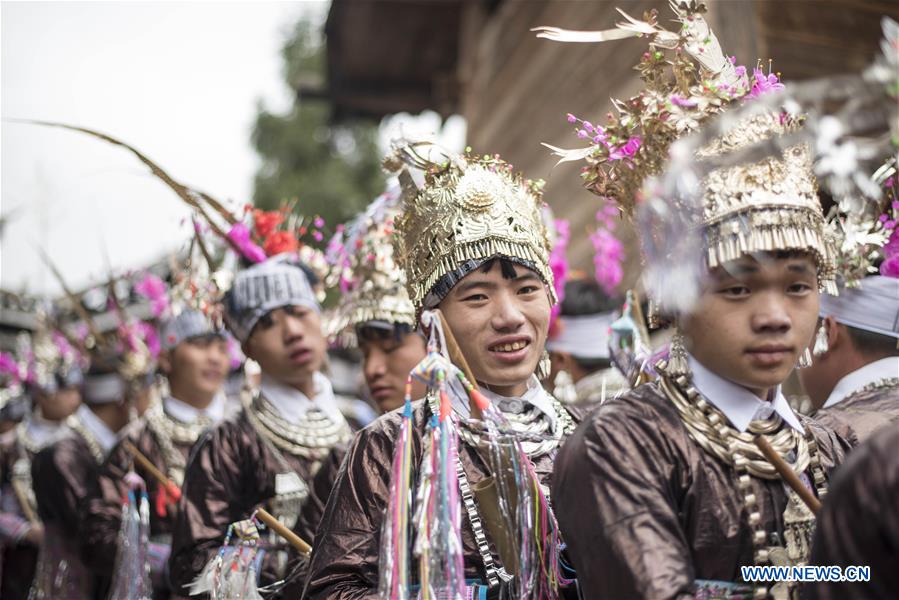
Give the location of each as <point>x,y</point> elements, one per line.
<point>543,367</point>
<point>677,364</point>
<point>805,359</point>
<point>652,314</point>
<point>821,343</point>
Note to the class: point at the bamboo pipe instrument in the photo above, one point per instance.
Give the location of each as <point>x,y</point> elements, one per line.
<point>788,475</point>
<point>22,497</point>
<point>459,360</point>
<point>175,492</point>
<point>279,528</point>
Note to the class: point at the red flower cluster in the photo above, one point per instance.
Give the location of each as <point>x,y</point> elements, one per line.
<point>265,222</point>
<point>279,242</point>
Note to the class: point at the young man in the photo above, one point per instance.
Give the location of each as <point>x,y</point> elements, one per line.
<point>854,377</point>
<point>53,386</point>
<point>65,473</point>
<point>375,313</point>
<point>194,360</point>
<point>472,242</point>
<point>580,347</point>
<point>662,492</point>
<point>266,455</point>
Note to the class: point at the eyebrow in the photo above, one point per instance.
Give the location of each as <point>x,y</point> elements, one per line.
<point>524,276</point>
<point>799,267</point>
<point>737,269</point>
<point>467,286</point>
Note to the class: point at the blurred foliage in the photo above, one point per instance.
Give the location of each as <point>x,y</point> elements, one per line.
<point>332,169</point>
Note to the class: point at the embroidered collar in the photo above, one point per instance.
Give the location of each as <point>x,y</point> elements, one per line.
<point>884,368</point>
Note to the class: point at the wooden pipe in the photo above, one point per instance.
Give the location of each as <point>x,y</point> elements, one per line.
<point>458,359</point>
<point>788,475</point>
<point>173,490</point>
<point>282,530</point>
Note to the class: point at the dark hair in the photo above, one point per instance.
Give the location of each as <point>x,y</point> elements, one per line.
<point>873,344</point>
<point>585,297</point>
<point>376,331</point>
<point>506,266</point>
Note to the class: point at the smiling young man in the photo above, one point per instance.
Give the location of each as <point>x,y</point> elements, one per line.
<point>662,492</point>
<point>473,244</point>
<point>267,455</point>
<point>194,360</point>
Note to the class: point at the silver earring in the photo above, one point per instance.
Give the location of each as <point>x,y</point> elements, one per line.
<point>677,357</point>
<point>821,345</point>
<point>805,359</point>
<point>543,367</point>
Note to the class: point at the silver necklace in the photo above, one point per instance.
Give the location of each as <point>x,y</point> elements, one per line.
<point>168,431</point>
<point>93,444</point>
<point>312,437</point>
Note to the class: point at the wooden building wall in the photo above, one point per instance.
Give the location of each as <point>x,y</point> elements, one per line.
<point>516,89</point>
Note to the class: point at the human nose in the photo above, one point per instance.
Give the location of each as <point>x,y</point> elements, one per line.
<point>507,315</point>
<point>770,313</point>
<point>375,365</point>
<point>292,328</point>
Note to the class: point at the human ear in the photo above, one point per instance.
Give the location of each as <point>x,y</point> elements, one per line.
<point>837,334</point>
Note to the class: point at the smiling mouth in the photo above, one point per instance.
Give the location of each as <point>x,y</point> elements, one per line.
<point>510,347</point>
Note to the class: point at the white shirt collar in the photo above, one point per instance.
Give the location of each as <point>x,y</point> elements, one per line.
<point>879,369</point>
<point>106,437</point>
<point>534,395</point>
<point>292,404</point>
<point>184,412</point>
<point>738,404</point>
<point>42,431</point>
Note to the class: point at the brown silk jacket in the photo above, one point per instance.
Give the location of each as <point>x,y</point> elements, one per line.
<point>231,472</point>
<point>859,522</point>
<point>645,511</point>
<point>348,541</point>
<point>103,516</point>
<point>64,476</point>
<point>864,411</point>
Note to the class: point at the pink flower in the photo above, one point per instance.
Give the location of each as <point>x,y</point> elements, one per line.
<point>890,267</point>
<point>679,100</point>
<point>571,118</point>
<point>317,235</point>
<point>153,289</point>
<point>319,222</point>
<point>8,366</point>
<point>558,263</point>
<point>626,150</point>
<point>240,236</point>
<point>148,333</point>
<point>891,248</point>
<point>607,258</point>
<point>235,356</point>
<point>764,84</point>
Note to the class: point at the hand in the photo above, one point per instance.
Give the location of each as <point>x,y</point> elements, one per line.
<point>34,536</point>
